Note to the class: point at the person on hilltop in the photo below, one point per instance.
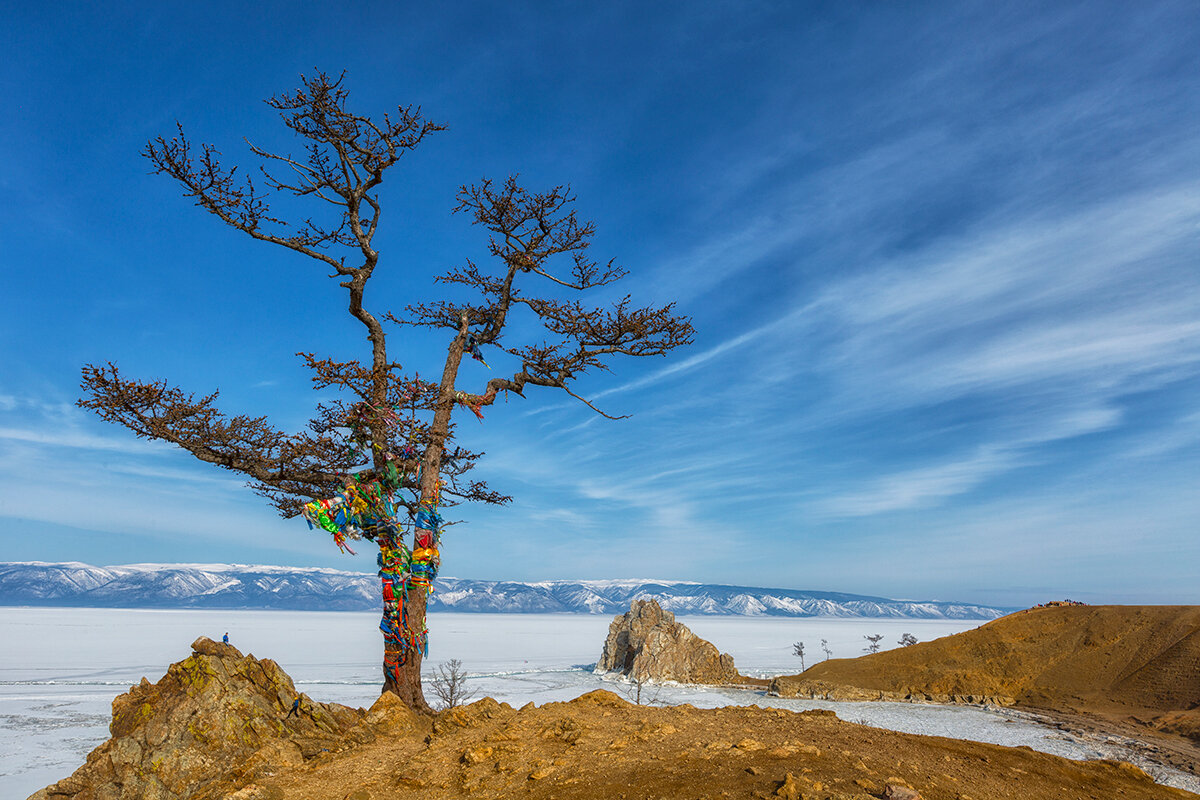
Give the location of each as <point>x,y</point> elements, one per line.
<point>225,638</point>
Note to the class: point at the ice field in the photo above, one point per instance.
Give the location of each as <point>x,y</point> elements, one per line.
<point>61,668</point>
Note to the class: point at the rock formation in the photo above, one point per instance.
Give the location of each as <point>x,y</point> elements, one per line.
<point>646,643</point>
<point>214,718</point>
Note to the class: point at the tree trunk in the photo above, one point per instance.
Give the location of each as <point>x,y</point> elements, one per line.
<point>402,660</point>
<point>404,680</point>
<point>408,687</point>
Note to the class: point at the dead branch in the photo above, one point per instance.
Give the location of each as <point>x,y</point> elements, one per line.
<point>303,464</point>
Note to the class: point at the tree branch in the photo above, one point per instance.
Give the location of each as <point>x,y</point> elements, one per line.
<point>306,464</point>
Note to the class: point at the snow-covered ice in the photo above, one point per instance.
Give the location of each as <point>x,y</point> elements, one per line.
<point>61,668</point>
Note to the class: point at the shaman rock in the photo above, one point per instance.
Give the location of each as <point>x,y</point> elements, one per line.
<point>646,643</point>
<point>215,721</point>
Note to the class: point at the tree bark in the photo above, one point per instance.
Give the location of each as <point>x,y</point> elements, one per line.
<point>408,687</point>
<point>407,683</point>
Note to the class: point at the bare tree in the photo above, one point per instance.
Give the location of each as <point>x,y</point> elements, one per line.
<point>381,465</point>
<point>825,647</point>
<point>907,640</point>
<point>798,650</point>
<point>449,684</point>
<point>873,646</point>
<point>641,690</point>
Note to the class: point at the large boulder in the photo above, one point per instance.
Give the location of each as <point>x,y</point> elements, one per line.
<point>646,643</point>
<point>215,720</point>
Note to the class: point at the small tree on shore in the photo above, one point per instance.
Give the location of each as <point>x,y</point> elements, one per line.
<point>873,643</point>
<point>380,465</point>
<point>641,690</point>
<point>825,647</point>
<point>449,684</point>
<point>907,640</point>
<point>798,650</point>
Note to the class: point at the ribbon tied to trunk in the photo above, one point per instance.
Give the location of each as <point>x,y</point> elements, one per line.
<point>366,508</point>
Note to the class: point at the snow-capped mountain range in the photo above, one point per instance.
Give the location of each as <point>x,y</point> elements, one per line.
<point>316,589</point>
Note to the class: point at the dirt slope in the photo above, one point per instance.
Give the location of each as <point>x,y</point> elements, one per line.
<point>1119,661</point>
<point>600,747</point>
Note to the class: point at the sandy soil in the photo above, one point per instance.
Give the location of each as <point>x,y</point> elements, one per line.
<point>600,746</point>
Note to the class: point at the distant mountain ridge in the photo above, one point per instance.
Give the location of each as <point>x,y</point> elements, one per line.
<point>34,583</point>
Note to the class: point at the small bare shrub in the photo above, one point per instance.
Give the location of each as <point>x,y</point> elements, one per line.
<point>642,691</point>
<point>449,685</point>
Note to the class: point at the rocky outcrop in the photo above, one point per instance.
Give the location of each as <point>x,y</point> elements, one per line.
<point>1183,723</point>
<point>798,686</point>
<point>646,643</point>
<point>214,722</point>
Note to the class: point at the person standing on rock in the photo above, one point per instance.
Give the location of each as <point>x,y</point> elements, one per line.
<point>295,708</point>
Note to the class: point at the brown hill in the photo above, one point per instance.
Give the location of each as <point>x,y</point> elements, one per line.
<point>218,726</point>
<point>1140,662</point>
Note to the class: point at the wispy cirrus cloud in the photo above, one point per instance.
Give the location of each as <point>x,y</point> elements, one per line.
<point>920,487</point>
<point>80,440</point>
<point>54,423</point>
<point>1035,330</point>
<point>1045,323</point>
<point>700,359</point>
<point>930,484</point>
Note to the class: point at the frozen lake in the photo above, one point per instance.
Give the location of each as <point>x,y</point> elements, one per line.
<point>61,668</point>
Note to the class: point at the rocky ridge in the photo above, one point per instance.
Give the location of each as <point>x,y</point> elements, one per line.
<point>646,643</point>
<point>216,718</point>
<point>791,686</point>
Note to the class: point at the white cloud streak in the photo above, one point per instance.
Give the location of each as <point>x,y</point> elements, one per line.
<point>79,440</point>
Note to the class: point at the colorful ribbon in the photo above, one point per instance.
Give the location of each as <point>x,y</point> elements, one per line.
<point>367,509</point>
<point>472,347</point>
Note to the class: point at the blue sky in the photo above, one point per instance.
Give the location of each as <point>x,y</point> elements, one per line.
<point>941,258</point>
